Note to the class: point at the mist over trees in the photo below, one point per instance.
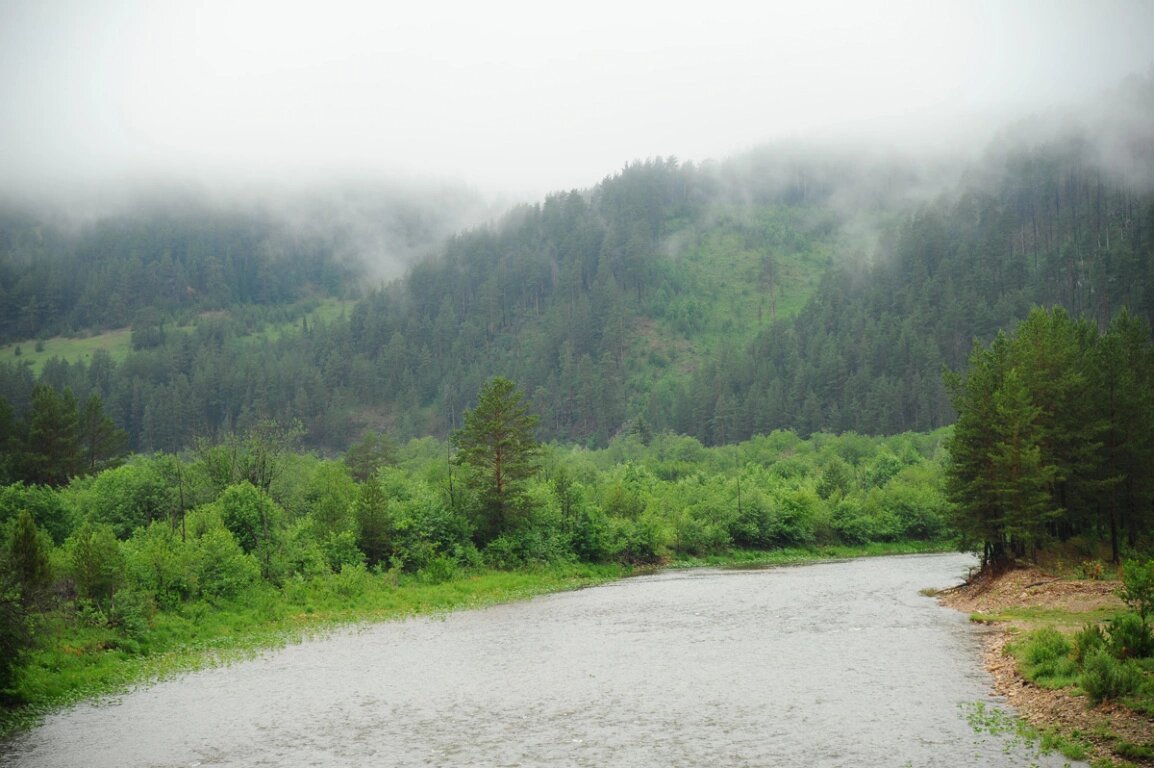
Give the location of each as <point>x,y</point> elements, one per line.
<point>681,361</point>
<point>785,289</point>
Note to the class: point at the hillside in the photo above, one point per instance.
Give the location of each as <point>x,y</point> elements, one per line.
<point>787,288</point>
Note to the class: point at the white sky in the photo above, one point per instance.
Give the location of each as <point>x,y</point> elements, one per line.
<point>519,97</point>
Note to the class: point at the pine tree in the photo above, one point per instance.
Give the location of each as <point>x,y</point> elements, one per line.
<point>28,558</point>
<point>101,442</point>
<point>1125,387</point>
<point>497,442</point>
<point>51,450</point>
<point>1021,477</point>
<point>970,481</point>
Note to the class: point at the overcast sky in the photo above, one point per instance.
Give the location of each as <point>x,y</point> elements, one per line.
<point>519,97</point>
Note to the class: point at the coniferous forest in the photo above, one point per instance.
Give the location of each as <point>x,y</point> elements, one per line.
<point>790,348</point>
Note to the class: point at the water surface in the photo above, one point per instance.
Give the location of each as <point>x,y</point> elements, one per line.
<point>834,664</point>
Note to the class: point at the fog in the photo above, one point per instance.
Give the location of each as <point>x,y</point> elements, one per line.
<point>516,99</point>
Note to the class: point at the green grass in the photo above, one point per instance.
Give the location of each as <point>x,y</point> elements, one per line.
<point>1018,735</point>
<point>323,311</point>
<point>746,558</point>
<point>724,291</point>
<point>77,660</point>
<point>1038,617</point>
<point>118,343</point>
<point>73,349</point>
<point>1047,656</point>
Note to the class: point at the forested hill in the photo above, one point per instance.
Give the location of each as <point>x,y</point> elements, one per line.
<point>171,253</point>
<point>1045,224</point>
<point>782,289</point>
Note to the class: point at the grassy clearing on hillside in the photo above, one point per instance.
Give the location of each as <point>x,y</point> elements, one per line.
<point>118,343</point>
<point>73,349</point>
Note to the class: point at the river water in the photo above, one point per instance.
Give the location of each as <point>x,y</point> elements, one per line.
<point>834,664</point>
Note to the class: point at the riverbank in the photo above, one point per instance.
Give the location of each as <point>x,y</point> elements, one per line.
<point>1027,599</point>
<point>76,661</point>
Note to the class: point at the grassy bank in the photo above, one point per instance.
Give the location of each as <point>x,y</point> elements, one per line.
<point>1066,655</point>
<point>101,655</point>
<point>750,558</point>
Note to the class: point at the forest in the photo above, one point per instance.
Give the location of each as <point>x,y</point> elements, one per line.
<point>720,301</point>
<point>784,351</point>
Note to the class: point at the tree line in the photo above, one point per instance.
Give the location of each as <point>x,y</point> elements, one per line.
<point>58,438</point>
<point>1054,438</point>
<point>181,534</point>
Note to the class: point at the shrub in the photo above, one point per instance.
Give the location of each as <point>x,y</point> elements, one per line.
<point>640,541</point>
<point>131,613</point>
<point>438,570</point>
<point>1105,677</point>
<point>590,539</point>
<point>96,563</point>
<point>1138,587</point>
<point>1130,637</point>
<point>353,580</point>
<point>1046,659</point>
<point>159,561</point>
<point>340,551</point>
<point>1087,640</point>
<point>15,631</point>
<point>222,567</point>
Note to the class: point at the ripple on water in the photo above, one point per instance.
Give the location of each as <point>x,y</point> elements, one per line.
<point>837,664</point>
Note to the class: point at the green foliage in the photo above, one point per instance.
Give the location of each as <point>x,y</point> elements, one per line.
<point>15,631</point>
<point>220,566</point>
<point>101,443</point>
<point>96,562</point>
<point>125,498</point>
<point>374,522</point>
<point>131,613</point>
<point>797,512</point>
<point>641,541</point>
<point>1046,659</point>
<point>1138,587</point>
<point>1087,640</point>
<point>329,497</point>
<point>49,510</point>
<point>836,478</point>
<point>340,542</point>
<point>162,563</point>
<point>498,445</point>
<point>340,551</point>
<point>27,558</point>
<point>371,452</point>
<point>256,522</point>
<point>1032,452</point>
<point>1105,678</point>
<point>51,450</point>
<point>1130,637</point>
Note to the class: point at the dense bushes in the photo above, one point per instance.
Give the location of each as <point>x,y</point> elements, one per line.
<point>179,535</point>
<point>1107,664</point>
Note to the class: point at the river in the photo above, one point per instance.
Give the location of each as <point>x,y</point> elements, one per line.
<point>832,664</point>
